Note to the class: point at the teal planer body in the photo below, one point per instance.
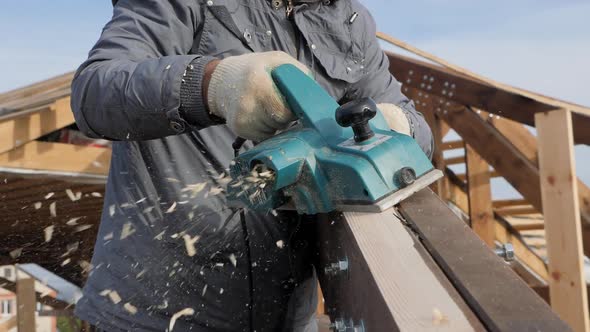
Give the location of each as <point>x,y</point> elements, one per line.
<point>322,164</point>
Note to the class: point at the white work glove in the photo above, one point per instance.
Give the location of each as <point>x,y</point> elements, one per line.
<point>395,117</point>
<point>242,92</point>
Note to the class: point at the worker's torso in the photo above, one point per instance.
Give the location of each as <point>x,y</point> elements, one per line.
<point>164,192</point>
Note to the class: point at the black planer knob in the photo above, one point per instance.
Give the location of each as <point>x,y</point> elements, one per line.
<point>356,114</point>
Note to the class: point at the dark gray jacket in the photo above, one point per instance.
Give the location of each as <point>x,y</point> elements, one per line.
<point>141,87</point>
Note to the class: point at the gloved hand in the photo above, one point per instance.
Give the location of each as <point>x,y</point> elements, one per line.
<point>396,118</point>
<point>241,91</point>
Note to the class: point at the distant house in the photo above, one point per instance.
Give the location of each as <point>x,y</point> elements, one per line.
<point>8,304</point>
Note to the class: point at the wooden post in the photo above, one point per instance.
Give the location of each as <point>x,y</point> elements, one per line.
<point>561,208</point>
<point>480,196</point>
<point>25,304</point>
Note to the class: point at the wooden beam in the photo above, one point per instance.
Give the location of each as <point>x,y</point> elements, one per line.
<point>493,174</point>
<point>25,304</point>
<point>526,143</point>
<point>17,131</point>
<point>455,160</point>
<point>561,208</point>
<point>508,202</point>
<point>37,88</point>
<point>58,157</point>
<point>459,144</point>
<point>516,210</point>
<point>534,226</point>
<point>480,197</point>
<point>501,88</point>
<point>443,85</point>
<point>436,125</point>
<point>504,232</point>
<point>391,283</point>
<point>498,296</point>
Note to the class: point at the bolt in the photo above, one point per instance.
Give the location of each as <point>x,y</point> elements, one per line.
<point>506,251</point>
<point>334,269</point>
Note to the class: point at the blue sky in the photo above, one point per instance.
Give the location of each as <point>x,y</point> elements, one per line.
<point>539,45</point>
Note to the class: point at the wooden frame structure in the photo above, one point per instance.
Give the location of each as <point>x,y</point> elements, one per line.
<point>549,227</point>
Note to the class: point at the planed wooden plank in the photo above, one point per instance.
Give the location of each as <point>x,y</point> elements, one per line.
<point>480,197</point>
<point>391,284</point>
<point>58,157</point>
<point>17,131</point>
<point>25,304</point>
<point>502,301</point>
<point>561,208</point>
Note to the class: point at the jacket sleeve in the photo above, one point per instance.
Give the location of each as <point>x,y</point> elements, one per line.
<point>379,84</point>
<point>129,88</point>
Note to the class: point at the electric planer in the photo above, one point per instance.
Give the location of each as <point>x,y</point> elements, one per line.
<point>343,158</point>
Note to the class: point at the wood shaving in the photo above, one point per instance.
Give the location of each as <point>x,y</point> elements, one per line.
<point>141,200</point>
<point>96,194</point>
<point>171,208</point>
<point>189,243</point>
<point>71,195</point>
<point>163,305</point>
<point>215,191</point>
<point>114,296</point>
<point>195,189</point>
<point>78,195</point>
<point>142,272</point>
<point>438,318</point>
<point>159,236</point>
<point>48,232</point>
<point>108,236</point>
<point>52,210</point>
<point>49,195</point>
<point>112,210</point>
<point>105,292</point>
<point>16,253</point>
<point>280,244</point>
<point>82,228</point>
<point>204,291</point>
<point>73,221</point>
<point>38,205</point>
<point>66,262</point>
<point>85,265</point>
<point>130,308</point>
<point>233,260</point>
<point>221,291</point>
<point>126,231</point>
<point>173,180</point>
<point>183,312</point>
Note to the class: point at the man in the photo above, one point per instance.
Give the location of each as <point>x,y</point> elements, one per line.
<point>173,83</point>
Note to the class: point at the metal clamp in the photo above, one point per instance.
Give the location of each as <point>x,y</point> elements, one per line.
<point>506,251</point>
